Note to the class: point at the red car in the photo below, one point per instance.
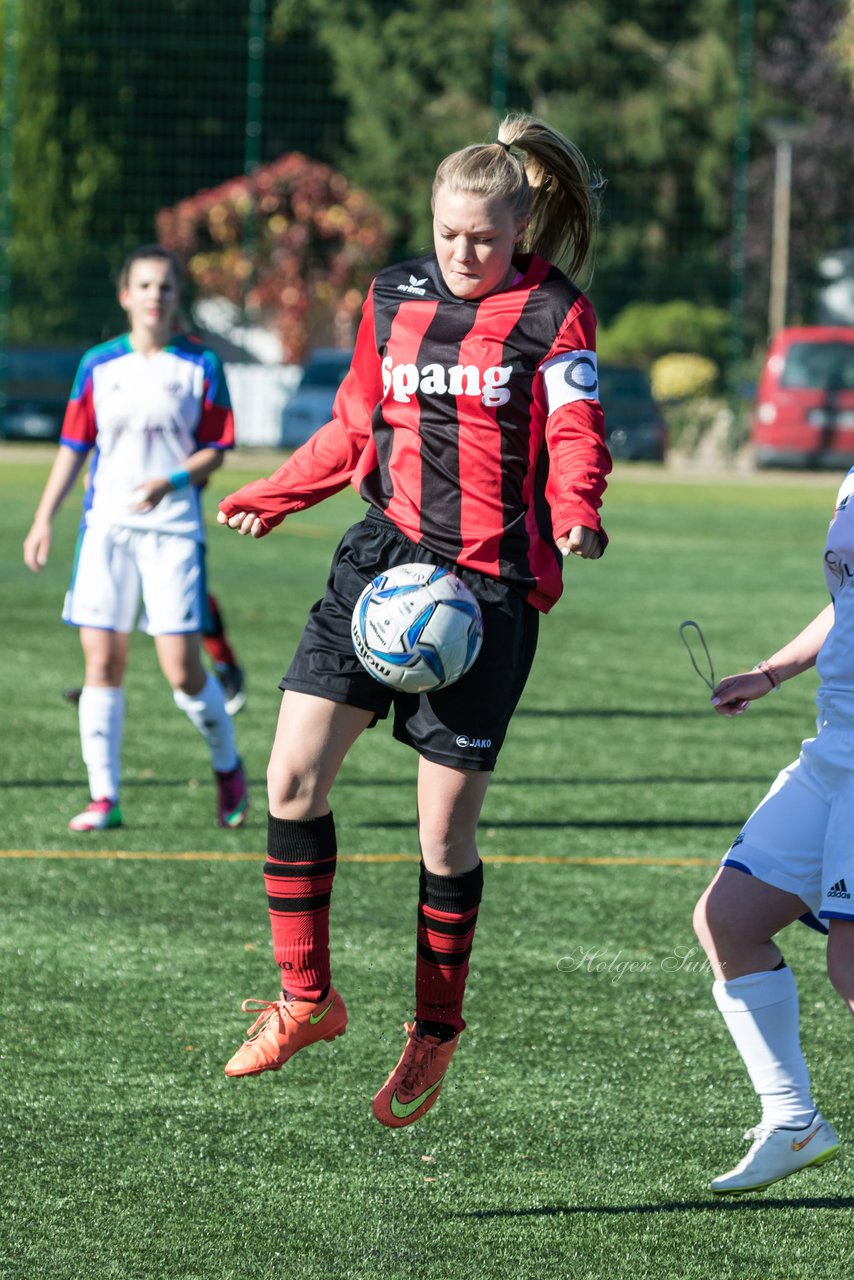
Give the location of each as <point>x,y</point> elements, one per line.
<point>804,415</point>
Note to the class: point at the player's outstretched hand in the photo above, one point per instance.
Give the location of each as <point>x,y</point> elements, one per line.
<point>37,546</point>
<point>244,522</point>
<point>587,543</point>
<point>734,694</point>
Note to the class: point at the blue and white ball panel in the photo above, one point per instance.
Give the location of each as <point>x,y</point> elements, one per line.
<point>117,570</point>
<point>800,838</point>
<point>417,628</point>
<point>571,376</point>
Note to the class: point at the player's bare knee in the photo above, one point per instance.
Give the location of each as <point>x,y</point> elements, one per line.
<point>292,792</point>
<point>720,933</point>
<point>103,675</point>
<point>704,921</point>
<point>447,853</point>
<point>189,683</point>
<point>105,670</point>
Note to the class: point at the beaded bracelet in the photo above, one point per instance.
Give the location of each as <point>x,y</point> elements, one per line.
<point>772,676</point>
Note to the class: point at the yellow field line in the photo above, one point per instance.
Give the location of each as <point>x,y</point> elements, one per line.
<point>122,855</point>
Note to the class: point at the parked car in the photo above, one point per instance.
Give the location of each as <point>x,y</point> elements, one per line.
<point>310,407</point>
<point>634,426</point>
<point>35,388</point>
<point>804,413</point>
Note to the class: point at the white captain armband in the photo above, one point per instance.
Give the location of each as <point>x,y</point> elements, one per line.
<point>571,376</point>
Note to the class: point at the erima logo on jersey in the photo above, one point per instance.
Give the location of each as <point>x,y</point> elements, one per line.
<point>571,376</point>
<point>415,286</point>
<point>404,380</point>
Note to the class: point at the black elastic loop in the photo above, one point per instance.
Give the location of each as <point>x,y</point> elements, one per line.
<point>685,626</point>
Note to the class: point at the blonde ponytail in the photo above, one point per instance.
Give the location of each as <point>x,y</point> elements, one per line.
<point>565,192</point>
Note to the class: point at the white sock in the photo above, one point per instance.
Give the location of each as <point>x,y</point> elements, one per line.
<point>207,712</point>
<point>101,713</point>
<point>761,1014</point>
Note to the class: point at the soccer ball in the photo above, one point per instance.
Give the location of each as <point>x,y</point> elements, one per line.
<point>417,627</point>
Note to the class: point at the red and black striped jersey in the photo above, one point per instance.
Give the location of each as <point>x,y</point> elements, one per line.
<point>474,424</point>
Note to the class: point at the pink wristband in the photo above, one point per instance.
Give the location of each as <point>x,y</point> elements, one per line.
<point>769,672</point>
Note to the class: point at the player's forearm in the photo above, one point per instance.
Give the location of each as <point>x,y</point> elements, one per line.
<point>193,471</point>
<point>321,467</point>
<point>579,464</point>
<point>801,652</point>
<point>202,464</point>
<point>63,473</point>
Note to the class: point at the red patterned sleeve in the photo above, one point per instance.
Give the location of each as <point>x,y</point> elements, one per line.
<point>79,428</point>
<point>567,393</point>
<point>216,424</point>
<point>324,464</point>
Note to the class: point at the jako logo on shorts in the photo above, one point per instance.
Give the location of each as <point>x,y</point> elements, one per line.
<point>463,741</point>
<point>405,380</point>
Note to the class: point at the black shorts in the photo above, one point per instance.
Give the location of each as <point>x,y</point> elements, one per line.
<point>463,725</point>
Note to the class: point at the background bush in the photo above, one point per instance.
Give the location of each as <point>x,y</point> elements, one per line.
<point>679,376</point>
<point>643,331</point>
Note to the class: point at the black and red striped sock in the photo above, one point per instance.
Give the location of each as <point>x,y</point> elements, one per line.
<point>214,638</point>
<point>447,916</point>
<point>298,875</point>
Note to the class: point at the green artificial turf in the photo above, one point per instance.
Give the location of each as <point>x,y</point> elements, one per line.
<point>594,1092</point>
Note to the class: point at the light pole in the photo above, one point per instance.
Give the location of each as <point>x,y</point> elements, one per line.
<point>784,134</point>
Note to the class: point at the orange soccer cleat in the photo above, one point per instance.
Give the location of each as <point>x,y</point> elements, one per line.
<point>282,1028</point>
<point>416,1081</point>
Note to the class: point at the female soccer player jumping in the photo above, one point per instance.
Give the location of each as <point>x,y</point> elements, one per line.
<point>470,424</point>
<point>794,854</point>
<point>153,409</point>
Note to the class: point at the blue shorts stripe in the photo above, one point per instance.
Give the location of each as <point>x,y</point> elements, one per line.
<point>737,866</point>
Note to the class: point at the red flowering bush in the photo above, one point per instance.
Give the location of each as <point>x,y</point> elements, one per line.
<point>293,244</point>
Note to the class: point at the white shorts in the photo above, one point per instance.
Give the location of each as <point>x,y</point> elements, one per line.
<point>800,838</point>
<point>116,568</point>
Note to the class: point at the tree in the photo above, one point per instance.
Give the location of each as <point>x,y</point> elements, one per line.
<point>843,45</point>
<point>412,92</point>
<point>294,244</point>
<point>122,109</point>
<point>648,93</point>
<point>800,76</point>
<point>60,162</point>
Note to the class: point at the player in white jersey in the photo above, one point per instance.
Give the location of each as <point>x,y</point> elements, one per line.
<point>794,859</point>
<point>152,409</point>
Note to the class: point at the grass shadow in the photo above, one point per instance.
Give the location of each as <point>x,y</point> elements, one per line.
<point>582,824</point>
<point>666,1206</point>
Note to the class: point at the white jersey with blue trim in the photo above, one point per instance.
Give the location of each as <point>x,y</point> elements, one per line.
<point>835,663</point>
<point>144,416</point>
